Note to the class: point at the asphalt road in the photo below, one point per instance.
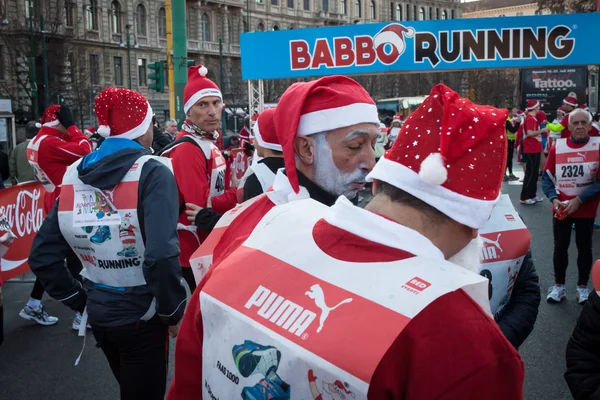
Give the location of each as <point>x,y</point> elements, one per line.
<point>37,362</point>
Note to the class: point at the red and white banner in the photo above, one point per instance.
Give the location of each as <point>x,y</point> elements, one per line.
<point>239,163</point>
<point>23,206</point>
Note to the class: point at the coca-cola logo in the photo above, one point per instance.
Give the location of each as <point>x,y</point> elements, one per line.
<point>25,216</point>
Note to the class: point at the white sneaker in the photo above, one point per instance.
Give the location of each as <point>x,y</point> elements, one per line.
<point>77,322</point>
<point>40,315</point>
<point>582,294</point>
<point>556,294</point>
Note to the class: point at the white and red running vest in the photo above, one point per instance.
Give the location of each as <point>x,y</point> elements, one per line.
<point>32,156</point>
<point>506,241</point>
<point>102,226</point>
<point>576,168</point>
<point>279,310</point>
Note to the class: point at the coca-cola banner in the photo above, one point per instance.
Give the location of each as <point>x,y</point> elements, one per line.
<point>23,206</point>
<point>551,85</point>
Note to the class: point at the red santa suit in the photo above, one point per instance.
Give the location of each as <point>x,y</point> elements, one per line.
<point>50,153</point>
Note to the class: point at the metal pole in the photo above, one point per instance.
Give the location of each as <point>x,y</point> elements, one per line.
<point>127,28</point>
<point>171,77</point>
<point>221,86</point>
<point>44,64</point>
<point>179,57</point>
<point>32,77</point>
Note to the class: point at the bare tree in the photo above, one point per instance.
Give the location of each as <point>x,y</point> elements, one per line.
<point>567,6</point>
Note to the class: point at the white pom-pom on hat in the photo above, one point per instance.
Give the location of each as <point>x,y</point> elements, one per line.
<point>203,71</point>
<point>38,125</point>
<point>104,131</point>
<point>433,170</point>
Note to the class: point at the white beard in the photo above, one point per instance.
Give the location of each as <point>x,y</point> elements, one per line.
<point>468,258</point>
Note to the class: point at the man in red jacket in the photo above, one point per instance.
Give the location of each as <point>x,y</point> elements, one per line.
<point>58,144</point>
<point>198,164</point>
<point>406,323</point>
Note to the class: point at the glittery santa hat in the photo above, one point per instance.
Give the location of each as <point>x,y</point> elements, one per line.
<point>198,87</point>
<point>397,118</point>
<point>451,154</point>
<point>264,131</point>
<point>90,131</point>
<point>122,113</point>
<point>307,108</point>
<point>570,100</point>
<point>532,104</point>
<point>49,117</point>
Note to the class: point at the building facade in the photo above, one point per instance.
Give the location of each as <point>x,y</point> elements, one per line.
<point>501,8</point>
<point>94,44</point>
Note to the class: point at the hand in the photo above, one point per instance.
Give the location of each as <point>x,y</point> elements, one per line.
<point>572,205</point>
<point>192,211</point>
<point>174,330</point>
<point>235,182</point>
<point>65,117</point>
<point>558,204</point>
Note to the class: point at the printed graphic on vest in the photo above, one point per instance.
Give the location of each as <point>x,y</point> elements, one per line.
<point>127,235</point>
<point>91,207</point>
<point>335,390</point>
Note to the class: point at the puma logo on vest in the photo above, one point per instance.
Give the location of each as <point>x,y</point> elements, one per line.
<point>316,293</point>
<point>580,158</point>
<point>489,252</point>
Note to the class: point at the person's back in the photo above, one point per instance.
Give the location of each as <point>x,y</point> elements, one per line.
<point>20,169</point>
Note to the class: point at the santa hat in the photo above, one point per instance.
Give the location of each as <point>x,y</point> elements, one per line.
<point>341,386</point>
<point>49,117</point>
<point>397,118</point>
<point>198,87</point>
<point>570,100</point>
<point>520,113</point>
<point>451,154</point>
<point>584,107</point>
<point>264,131</point>
<point>395,35</point>
<point>560,110</point>
<point>90,131</point>
<point>122,113</point>
<point>532,104</point>
<point>322,105</point>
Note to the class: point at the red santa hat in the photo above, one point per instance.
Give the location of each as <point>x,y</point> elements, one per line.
<point>122,113</point>
<point>198,87</point>
<point>90,131</point>
<point>560,110</point>
<point>451,154</point>
<point>584,107</point>
<point>49,117</point>
<point>397,118</point>
<point>394,34</point>
<point>322,105</point>
<point>264,131</point>
<point>570,100</point>
<point>532,104</point>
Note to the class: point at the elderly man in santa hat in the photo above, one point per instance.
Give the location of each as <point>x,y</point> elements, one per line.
<point>124,232</point>
<point>198,164</point>
<point>562,128</point>
<point>367,297</point>
<point>57,145</point>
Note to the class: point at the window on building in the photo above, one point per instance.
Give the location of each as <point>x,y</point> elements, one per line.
<point>260,1</point>
<point>140,20</point>
<point>437,13</point>
<point>326,5</point>
<point>115,17</point>
<point>343,8</point>
<point>118,62</point>
<point>165,73</point>
<point>72,67</point>
<point>452,14</point>
<point>290,3</point>
<point>422,14</point>
<point>94,69</point>
<point>162,23</point>
<point>2,66</point>
<point>357,9</point>
<point>91,15</point>
<point>306,5</point>
<point>430,12</point>
<point>274,2</point>
<point>408,12</point>
<point>275,27</point>
<point>245,26</point>
<point>70,10</point>
<point>444,14</point>
<point>372,10</point>
<point>398,12</point>
<point>260,27</point>
<point>206,36</point>
<point>538,12</point>
<point>142,72</point>
<point>414,13</point>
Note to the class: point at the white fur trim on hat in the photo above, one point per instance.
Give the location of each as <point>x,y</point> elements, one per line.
<point>38,125</point>
<point>104,131</point>
<point>569,103</point>
<point>468,211</point>
<point>261,141</point>
<point>201,94</point>
<point>52,123</point>
<point>139,130</point>
<point>339,117</point>
<point>537,104</point>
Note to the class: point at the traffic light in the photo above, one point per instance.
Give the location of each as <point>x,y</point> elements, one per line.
<point>158,76</point>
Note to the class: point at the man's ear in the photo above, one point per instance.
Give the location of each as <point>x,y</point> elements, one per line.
<point>375,187</point>
<point>303,148</point>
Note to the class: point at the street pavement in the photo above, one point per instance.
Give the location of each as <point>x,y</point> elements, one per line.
<point>37,362</point>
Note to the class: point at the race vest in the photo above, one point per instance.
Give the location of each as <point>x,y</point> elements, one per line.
<point>510,135</point>
<point>102,226</point>
<point>32,156</point>
<point>202,259</point>
<point>276,314</point>
<point>576,168</point>
<point>506,241</point>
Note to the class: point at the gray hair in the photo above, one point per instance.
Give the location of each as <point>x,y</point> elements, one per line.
<point>173,120</point>
<point>578,111</point>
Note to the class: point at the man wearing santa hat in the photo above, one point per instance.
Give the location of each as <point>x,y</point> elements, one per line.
<point>569,104</point>
<point>375,282</point>
<point>198,164</point>
<point>57,145</point>
<point>133,297</point>
<point>394,129</point>
<point>532,150</point>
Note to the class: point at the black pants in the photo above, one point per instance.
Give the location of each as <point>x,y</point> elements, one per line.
<point>584,229</point>
<point>73,264</point>
<point>138,357</point>
<point>188,275</point>
<point>532,170</point>
<point>509,158</point>
<point>1,323</point>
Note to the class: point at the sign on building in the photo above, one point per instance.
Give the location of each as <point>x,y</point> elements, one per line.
<point>413,46</point>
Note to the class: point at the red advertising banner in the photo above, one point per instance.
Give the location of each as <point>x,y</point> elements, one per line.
<point>23,206</point>
<point>239,163</point>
